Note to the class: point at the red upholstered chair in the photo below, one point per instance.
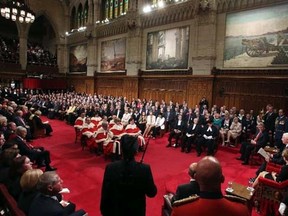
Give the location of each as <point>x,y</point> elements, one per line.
<point>8,205</point>
<point>78,134</point>
<point>270,193</point>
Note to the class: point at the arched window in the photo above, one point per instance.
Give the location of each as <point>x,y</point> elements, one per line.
<point>85,14</point>
<point>111,9</point>
<point>79,15</point>
<point>73,19</point>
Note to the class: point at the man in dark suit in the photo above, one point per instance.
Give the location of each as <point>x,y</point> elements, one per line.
<point>275,158</point>
<point>269,121</point>
<point>176,132</point>
<point>49,202</point>
<point>258,142</point>
<point>118,112</point>
<point>192,133</point>
<point>126,183</point>
<point>208,138</point>
<point>39,154</point>
<point>169,118</point>
<point>19,121</point>
<point>188,189</point>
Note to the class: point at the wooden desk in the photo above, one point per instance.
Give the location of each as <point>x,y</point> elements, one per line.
<point>241,191</point>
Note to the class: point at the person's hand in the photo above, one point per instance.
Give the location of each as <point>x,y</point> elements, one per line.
<point>64,203</point>
<point>267,159</point>
<point>274,175</point>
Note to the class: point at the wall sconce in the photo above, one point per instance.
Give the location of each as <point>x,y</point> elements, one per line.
<point>204,5</point>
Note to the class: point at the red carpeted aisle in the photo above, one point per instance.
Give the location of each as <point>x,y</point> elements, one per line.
<point>82,171</point>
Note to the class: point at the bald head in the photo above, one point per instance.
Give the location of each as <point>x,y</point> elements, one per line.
<point>209,174</point>
<point>192,170</point>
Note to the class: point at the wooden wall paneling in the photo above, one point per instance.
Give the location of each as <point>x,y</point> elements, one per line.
<point>109,86</point>
<point>130,88</point>
<point>251,92</point>
<point>199,88</point>
<point>78,83</point>
<point>89,84</point>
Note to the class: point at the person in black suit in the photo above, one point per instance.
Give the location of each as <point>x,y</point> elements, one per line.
<point>39,154</point>
<point>19,121</point>
<point>258,142</point>
<point>209,135</point>
<point>177,130</point>
<point>269,121</point>
<point>29,191</point>
<point>40,124</point>
<point>274,158</point>
<point>118,112</point>
<point>49,202</point>
<point>169,118</point>
<point>126,183</point>
<point>281,176</point>
<point>188,189</point>
<point>192,133</point>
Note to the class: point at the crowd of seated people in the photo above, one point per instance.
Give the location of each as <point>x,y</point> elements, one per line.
<point>218,125</point>
<point>9,50</point>
<point>22,164</point>
<point>36,54</point>
<point>104,119</point>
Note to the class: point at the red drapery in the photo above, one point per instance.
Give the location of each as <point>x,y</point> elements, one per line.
<point>33,83</point>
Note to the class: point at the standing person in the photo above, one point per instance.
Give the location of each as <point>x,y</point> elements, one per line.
<point>210,201</point>
<point>269,121</point>
<point>281,127</point>
<point>126,183</point>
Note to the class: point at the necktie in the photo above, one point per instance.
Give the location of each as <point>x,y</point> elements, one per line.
<point>257,137</point>
<point>28,145</point>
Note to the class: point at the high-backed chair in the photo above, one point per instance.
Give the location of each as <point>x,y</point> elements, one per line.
<point>270,193</point>
<point>8,205</point>
<point>78,134</point>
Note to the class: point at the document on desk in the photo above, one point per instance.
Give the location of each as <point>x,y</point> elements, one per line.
<point>262,152</point>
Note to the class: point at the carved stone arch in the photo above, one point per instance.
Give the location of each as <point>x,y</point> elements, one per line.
<point>54,26</point>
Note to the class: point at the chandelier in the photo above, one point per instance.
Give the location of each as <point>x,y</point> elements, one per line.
<point>17,10</point>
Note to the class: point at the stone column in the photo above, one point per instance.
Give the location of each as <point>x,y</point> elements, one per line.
<point>133,44</point>
<point>91,56</point>
<point>97,8</point>
<point>63,58</point>
<point>203,58</point>
<point>23,35</point>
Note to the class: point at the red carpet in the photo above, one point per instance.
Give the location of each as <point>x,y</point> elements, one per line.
<point>82,172</point>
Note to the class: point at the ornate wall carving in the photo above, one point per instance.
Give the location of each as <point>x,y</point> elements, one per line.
<point>173,13</point>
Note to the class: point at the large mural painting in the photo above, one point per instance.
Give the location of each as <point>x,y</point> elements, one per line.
<point>168,49</point>
<point>257,38</point>
<point>113,55</point>
<point>78,58</point>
